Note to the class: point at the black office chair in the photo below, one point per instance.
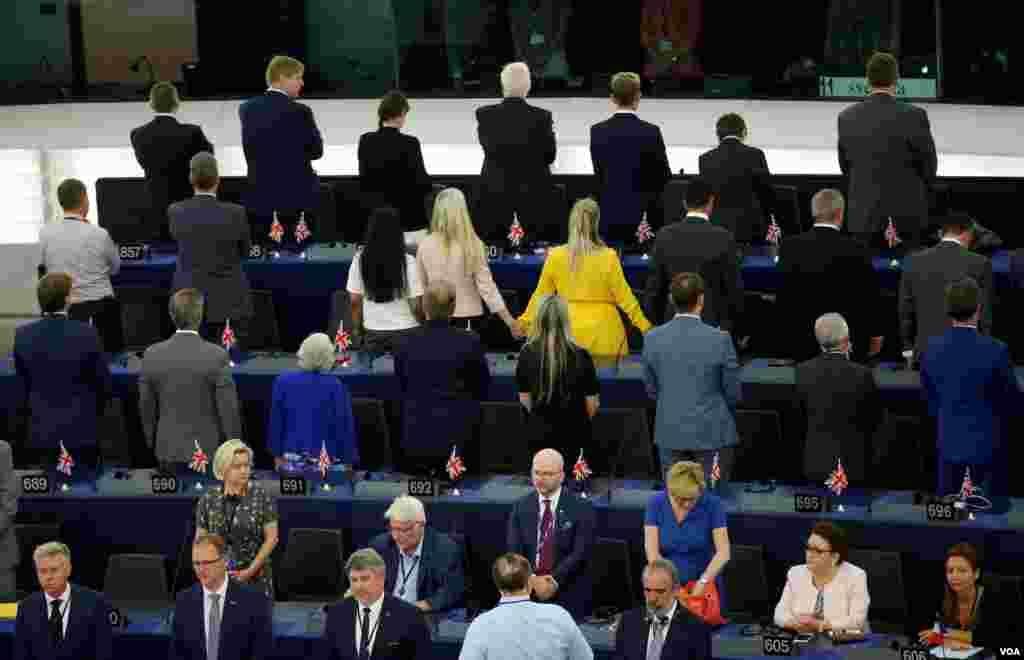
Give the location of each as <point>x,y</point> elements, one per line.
<point>264,333</point>
<point>1010,589</point>
<point>504,447</point>
<point>144,316</point>
<point>760,436</point>
<point>30,536</point>
<point>787,211</point>
<point>184,575</point>
<point>888,613</point>
<point>673,200</point>
<point>622,440</point>
<point>312,566</point>
<point>373,434</point>
<point>137,581</point>
<point>746,585</point>
<point>611,574</point>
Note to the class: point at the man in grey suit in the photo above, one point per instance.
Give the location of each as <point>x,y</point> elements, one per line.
<point>186,392</point>
<point>691,369</point>
<point>887,151</point>
<point>213,239</point>
<point>922,303</point>
<point>8,509</point>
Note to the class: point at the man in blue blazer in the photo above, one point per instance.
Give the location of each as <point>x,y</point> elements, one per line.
<point>690,368</point>
<point>280,139</point>
<point>555,530</point>
<point>424,566</point>
<point>63,621</point>
<point>218,619</point>
<point>630,163</point>
<point>676,632</point>
<point>972,391</point>
<point>64,377</point>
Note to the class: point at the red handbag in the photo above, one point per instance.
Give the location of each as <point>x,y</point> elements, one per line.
<point>707,608</point>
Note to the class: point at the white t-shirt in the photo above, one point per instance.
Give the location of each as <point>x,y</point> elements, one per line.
<point>393,315</point>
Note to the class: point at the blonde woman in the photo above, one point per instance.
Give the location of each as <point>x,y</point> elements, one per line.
<point>244,514</point>
<point>588,275</point>
<point>455,254</point>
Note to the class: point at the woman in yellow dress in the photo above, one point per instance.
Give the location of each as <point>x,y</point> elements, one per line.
<point>588,275</point>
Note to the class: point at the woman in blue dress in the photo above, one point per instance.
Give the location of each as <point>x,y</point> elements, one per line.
<point>687,526</point>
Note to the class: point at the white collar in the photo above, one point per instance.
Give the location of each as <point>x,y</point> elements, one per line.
<point>164,114</point>
<point>671,611</point>
<point>419,548</point>
<point>625,111</point>
<point>206,194</point>
<point>732,137</point>
<point>187,332</point>
<point>65,597</point>
<point>374,606</point>
<point>279,91</point>
<point>553,497</point>
<point>505,600</point>
<point>950,239</point>
<point>222,591</point>
<point>688,314</point>
<point>825,224</point>
<point>697,214</point>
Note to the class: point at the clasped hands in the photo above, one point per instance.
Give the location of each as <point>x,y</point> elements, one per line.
<point>543,586</point>
<point>805,623</point>
<point>954,639</point>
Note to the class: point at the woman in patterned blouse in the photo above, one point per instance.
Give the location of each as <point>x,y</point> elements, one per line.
<point>244,514</point>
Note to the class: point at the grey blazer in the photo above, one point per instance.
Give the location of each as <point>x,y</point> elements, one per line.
<point>187,393</point>
<point>691,369</point>
<point>8,508</point>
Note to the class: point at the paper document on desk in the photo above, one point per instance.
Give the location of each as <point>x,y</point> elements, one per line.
<point>8,611</point>
<point>955,654</point>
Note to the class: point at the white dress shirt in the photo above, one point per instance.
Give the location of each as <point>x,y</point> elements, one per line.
<point>668,622</point>
<point>518,629</point>
<point>554,514</point>
<point>65,606</point>
<point>950,239</point>
<point>825,225</point>
<point>85,252</point>
<point>697,214</point>
<point>409,574</point>
<point>375,608</point>
<point>223,593</point>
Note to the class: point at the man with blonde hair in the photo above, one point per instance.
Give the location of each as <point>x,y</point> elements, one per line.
<point>518,140</point>
<point>280,139</point>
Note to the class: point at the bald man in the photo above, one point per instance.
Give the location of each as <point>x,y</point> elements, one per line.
<point>554,529</point>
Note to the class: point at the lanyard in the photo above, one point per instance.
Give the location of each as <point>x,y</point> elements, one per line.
<point>405,574</point>
<point>368,643</point>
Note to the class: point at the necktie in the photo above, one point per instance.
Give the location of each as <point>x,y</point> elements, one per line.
<point>56,621</point>
<point>546,552</point>
<point>213,633</point>
<point>657,638</point>
<point>819,605</point>
<point>364,642</point>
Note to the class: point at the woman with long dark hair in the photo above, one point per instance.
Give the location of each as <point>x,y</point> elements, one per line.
<point>383,285</point>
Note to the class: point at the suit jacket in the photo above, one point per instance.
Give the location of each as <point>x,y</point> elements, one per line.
<point>691,369</point>
<point>922,303</point>
<point>246,629</point>
<point>440,577</point>
<point>631,166</point>
<point>887,151</point>
<point>518,140</point>
<point>811,263</point>
<point>694,245</point>
<point>687,638</point>
<point>739,175</point>
<point>280,140</point>
<point>213,239</point>
<point>65,378</point>
<point>8,509</point>
<point>972,391</point>
<point>391,173</point>
<point>843,411</point>
<point>187,393</point>
<point>575,523</point>
<point>403,632</point>
<point>88,632</point>
<point>164,148</point>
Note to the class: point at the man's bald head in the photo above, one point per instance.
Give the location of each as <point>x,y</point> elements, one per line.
<point>548,471</point>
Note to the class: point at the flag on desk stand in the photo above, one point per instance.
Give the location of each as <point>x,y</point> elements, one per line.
<point>716,471</point>
<point>199,461</point>
<point>227,339</point>
<point>302,232</point>
<point>644,232</point>
<point>516,234</point>
<point>892,237</point>
<point>324,460</point>
<point>342,343</point>
<point>774,234</point>
<point>837,481</point>
<point>455,468</point>
<point>581,472</point>
<point>967,487</point>
<point>276,230</point>
<point>64,461</point>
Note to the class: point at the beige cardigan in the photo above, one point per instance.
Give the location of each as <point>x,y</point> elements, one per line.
<point>473,286</point>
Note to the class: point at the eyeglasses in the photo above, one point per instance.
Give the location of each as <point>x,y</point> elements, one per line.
<point>817,551</point>
<point>405,530</point>
<point>207,563</point>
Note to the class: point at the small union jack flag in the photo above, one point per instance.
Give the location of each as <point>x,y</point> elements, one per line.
<point>515,232</point>
<point>227,338</point>
<point>581,470</point>
<point>199,461</point>
<point>774,234</point>
<point>302,229</point>
<point>967,487</point>
<point>342,343</point>
<point>324,461</point>
<point>64,461</point>
<point>276,230</point>
<point>644,232</point>
<point>455,466</point>
<point>892,237</point>
<point>716,470</point>
<point>837,481</point>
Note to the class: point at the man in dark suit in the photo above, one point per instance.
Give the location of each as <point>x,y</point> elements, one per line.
<point>630,163</point>
<point>8,510</point>
<point>186,391</point>
<point>556,529</point>
<point>213,239</point>
<point>424,566</point>
<point>219,619</point>
<point>887,152</point>
<point>841,403</point>
<point>973,393</point>
<point>443,375</point>
<point>926,274</point>
<point>63,621</point>
<point>163,148</point>
<point>694,245</point>
<point>662,628</point>
<point>812,264</point>
<point>372,623</point>
<point>280,139</point>
<point>518,140</point>
<point>738,174</point>
<point>64,378</point>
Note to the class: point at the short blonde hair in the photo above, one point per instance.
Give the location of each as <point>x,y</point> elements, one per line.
<point>625,88</point>
<point>51,549</point>
<point>406,508</point>
<point>515,80</point>
<point>163,97</point>
<point>282,66</point>
<point>316,353</point>
<point>685,480</point>
<point>226,454</point>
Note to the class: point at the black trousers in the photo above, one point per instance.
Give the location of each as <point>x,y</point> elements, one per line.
<point>213,331</point>
<point>105,316</point>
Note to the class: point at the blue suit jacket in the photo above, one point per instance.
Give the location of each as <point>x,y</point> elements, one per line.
<point>631,165</point>
<point>65,378</point>
<point>280,139</point>
<point>687,638</point>
<point>575,521</point>
<point>403,632</point>
<point>972,391</point>
<point>691,369</point>
<point>246,631</point>
<point>440,579</point>
<point>88,632</point>
<point>309,409</point>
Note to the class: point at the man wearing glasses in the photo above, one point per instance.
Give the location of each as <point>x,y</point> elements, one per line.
<point>218,619</point>
<point>424,566</point>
